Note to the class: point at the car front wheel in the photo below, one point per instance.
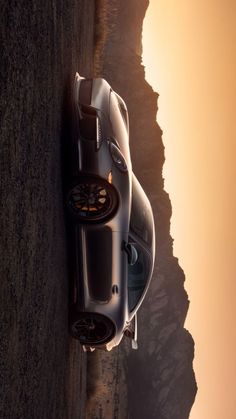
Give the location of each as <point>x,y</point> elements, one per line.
<point>91,328</point>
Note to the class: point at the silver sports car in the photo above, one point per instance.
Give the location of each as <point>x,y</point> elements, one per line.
<point>113,235</point>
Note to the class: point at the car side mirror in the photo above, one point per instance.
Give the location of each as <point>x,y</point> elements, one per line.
<point>135,337</point>
<point>131,252</point>
<point>132,332</point>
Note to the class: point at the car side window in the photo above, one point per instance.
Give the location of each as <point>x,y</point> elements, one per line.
<point>138,275</point>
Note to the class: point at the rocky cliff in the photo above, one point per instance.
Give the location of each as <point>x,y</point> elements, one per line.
<point>157,381</point>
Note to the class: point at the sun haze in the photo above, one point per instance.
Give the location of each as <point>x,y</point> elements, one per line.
<point>190,59</point>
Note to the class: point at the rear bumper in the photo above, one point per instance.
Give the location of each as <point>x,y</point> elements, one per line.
<point>91,129</point>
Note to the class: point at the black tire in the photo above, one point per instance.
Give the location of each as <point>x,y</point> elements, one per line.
<point>92,199</point>
<point>91,328</point>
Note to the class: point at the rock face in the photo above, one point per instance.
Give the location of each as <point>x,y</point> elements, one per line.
<point>159,376</point>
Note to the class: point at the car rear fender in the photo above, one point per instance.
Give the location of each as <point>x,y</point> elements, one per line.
<point>100,95</point>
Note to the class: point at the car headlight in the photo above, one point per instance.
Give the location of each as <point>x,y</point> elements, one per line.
<point>118,157</point>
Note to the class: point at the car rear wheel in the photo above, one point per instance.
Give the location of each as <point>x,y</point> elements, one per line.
<point>92,200</point>
<point>91,328</point>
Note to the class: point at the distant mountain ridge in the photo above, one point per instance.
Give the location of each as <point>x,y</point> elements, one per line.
<point>157,381</point>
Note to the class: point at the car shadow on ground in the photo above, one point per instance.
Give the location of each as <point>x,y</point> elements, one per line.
<point>67,138</point>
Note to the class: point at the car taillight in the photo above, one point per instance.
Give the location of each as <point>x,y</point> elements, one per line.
<point>98,133</point>
<point>118,157</point>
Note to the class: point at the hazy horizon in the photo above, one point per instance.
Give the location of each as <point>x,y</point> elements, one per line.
<point>190,59</point>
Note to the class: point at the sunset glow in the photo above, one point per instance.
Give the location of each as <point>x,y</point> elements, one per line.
<point>190,59</point>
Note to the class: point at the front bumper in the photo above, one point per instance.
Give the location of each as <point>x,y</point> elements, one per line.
<point>100,275</point>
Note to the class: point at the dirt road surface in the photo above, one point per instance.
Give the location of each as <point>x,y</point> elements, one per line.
<point>42,369</point>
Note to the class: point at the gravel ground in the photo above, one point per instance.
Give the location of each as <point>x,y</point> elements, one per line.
<point>42,369</point>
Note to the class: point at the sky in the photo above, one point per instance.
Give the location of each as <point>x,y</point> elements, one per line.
<point>189,51</point>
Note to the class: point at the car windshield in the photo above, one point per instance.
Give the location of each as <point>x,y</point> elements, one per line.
<point>138,275</point>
